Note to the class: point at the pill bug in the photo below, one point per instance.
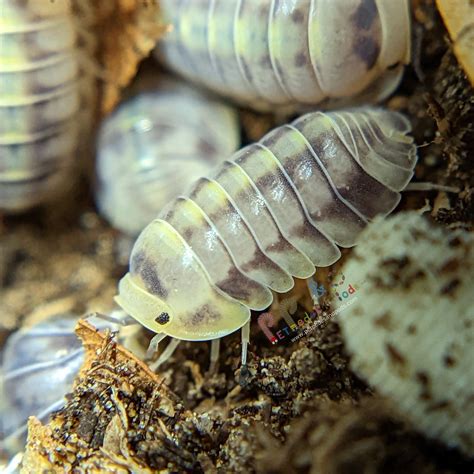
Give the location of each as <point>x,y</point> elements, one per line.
<point>38,368</point>
<point>274,211</point>
<point>41,89</point>
<point>283,52</point>
<point>39,365</point>
<point>154,146</point>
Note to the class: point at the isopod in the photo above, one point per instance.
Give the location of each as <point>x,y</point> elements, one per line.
<point>154,146</point>
<point>39,365</point>
<point>41,89</point>
<point>284,52</point>
<point>274,211</point>
<point>38,368</point>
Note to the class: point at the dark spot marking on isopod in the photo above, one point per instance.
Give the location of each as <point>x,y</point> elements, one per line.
<point>384,321</point>
<point>367,50</point>
<point>443,405</point>
<point>411,329</point>
<point>397,263</point>
<point>259,260</point>
<point>425,383</point>
<point>450,287</point>
<point>451,265</point>
<point>449,361</point>
<point>300,60</point>
<point>394,354</point>
<point>235,284</point>
<point>146,268</point>
<point>163,318</point>
<point>204,315</point>
<point>280,246</point>
<point>455,242</point>
<point>187,234</point>
<point>205,148</point>
<point>393,66</point>
<point>297,16</point>
<point>365,14</point>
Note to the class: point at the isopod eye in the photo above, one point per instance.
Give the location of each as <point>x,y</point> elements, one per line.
<point>163,318</point>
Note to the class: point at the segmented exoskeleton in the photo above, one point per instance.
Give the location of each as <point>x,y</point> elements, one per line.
<point>40,98</point>
<point>269,53</point>
<point>154,146</point>
<point>274,211</point>
<point>38,367</point>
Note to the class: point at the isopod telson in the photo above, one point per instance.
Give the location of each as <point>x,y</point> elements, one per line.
<point>40,98</point>
<point>274,211</point>
<point>154,146</point>
<point>268,53</point>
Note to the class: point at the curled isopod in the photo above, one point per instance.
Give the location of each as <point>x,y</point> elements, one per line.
<point>274,211</point>
<point>42,87</point>
<point>154,146</point>
<point>277,53</point>
<point>410,331</point>
<point>38,368</point>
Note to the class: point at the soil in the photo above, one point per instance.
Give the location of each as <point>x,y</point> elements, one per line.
<point>297,408</point>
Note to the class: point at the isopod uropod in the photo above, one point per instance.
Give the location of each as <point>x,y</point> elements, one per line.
<point>41,87</point>
<point>274,211</point>
<point>154,146</point>
<point>283,52</point>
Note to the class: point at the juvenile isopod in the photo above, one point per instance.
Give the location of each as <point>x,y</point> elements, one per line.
<point>41,89</point>
<point>276,210</point>
<point>268,53</point>
<point>154,146</point>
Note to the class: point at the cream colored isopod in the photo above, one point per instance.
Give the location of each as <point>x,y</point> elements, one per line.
<point>274,211</point>
<point>269,54</point>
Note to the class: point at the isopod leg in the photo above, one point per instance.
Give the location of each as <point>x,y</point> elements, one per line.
<point>215,349</point>
<point>153,346</point>
<point>167,353</point>
<point>245,342</point>
<point>422,186</point>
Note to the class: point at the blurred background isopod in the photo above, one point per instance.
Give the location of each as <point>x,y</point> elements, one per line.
<point>155,145</point>
<point>289,52</point>
<point>38,368</point>
<point>45,96</point>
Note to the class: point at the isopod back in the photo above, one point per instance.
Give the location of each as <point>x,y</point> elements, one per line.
<point>287,52</point>
<point>154,146</point>
<point>274,211</point>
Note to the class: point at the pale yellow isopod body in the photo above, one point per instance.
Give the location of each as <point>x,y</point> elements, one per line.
<point>274,211</point>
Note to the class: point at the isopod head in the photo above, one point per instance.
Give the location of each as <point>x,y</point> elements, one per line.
<point>164,303</point>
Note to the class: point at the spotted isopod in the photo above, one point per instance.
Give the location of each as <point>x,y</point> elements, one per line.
<point>268,53</point>
<point>154,146</point>
<point>274,211</point>
<point>41,88</point>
